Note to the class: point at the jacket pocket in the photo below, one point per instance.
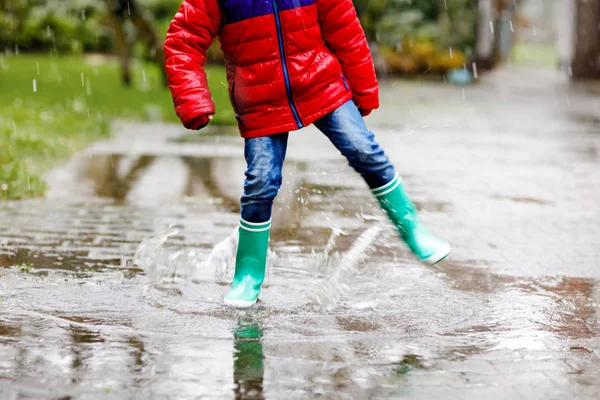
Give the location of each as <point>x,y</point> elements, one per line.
<point>345,82</point>
<point>234,104</point>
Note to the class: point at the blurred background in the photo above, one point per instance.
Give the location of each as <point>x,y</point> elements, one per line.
<point>68,68</point>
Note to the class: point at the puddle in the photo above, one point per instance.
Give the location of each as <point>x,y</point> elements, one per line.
<point>525,200</point>
<point>119,295</point>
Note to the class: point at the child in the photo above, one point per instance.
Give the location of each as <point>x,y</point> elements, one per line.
<point>290,63</point>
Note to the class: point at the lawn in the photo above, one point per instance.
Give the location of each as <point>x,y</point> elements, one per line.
<point>53,106</point>
<point>534,55</point>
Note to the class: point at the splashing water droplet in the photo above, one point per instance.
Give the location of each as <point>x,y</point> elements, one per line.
<point>335,284</point>
<point>162,263</point>
<point>222,258</point>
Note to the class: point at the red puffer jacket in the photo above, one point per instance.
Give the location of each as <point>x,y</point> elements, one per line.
<point>289,62</point>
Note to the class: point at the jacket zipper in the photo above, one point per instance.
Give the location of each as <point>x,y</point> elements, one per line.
<point>234,104</point>
<point>345,81</point>
<point>286,76</point>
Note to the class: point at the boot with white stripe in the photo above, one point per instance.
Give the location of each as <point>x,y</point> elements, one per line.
<point>250,264</point>
<point>403,214</point>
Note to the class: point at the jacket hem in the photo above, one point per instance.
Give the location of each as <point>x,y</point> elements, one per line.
<point>324,111</point>
<point>308,120</point>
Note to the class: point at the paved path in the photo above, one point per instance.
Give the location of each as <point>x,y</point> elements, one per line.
<point>507,170</point>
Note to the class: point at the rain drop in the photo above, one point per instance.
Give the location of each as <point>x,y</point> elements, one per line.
<point>34,86</point>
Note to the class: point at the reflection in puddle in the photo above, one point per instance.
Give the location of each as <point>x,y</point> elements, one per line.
<point>123,295</point>
<point>248,361</point>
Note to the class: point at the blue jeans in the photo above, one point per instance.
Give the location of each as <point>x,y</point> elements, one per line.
<point>344,127</point>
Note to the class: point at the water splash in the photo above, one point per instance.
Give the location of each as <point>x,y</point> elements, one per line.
<point>222,258</point>
<point>164,263</point>
<point>342,268</point>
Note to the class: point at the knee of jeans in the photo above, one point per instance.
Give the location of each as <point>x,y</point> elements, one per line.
<point>368,155</point>
<point>262,187</point>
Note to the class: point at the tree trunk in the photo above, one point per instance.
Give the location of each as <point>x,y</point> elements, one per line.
<point>120,11</point>
<point>564,21</point>
<point>586,63</point>
<point>147,33</point>
<point>484,49</point>
<point>122,48</point>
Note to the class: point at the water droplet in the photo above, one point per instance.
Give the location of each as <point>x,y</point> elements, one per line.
<point>34,86</point>
<point>336,283</point>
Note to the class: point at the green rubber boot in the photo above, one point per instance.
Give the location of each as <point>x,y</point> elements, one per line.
<point>250,264</point>
<point>403,214</point>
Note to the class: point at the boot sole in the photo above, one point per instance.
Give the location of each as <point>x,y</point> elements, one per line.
<point>239,303</point>
<point>438,256</point>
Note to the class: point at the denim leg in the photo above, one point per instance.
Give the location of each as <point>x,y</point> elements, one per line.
<point>264,159</point>
<point>346,129</point>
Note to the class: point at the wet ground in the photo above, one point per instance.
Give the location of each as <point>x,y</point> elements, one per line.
<point>111,287</point>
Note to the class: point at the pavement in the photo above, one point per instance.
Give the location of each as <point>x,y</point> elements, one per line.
<point>507,170</point>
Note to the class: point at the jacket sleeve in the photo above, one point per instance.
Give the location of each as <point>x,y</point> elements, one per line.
<point>189,36</point>
<point>345,37</point>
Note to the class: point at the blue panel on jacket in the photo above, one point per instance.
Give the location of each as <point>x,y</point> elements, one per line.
<point>240,10</point>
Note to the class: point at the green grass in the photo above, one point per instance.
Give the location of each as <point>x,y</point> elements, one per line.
<point>534,55</point>
<point>51,107</point>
